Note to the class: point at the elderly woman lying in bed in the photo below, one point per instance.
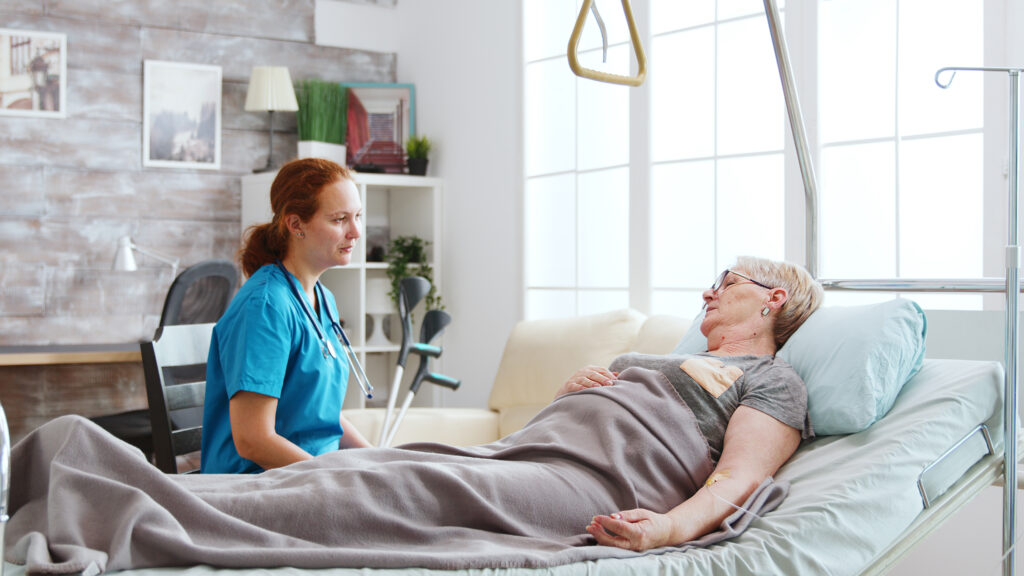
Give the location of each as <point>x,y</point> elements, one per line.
<point>672,445</point>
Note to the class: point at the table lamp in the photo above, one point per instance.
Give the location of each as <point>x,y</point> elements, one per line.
<point>270,90</point>
<point>124,259</point>
<point>378,306</point>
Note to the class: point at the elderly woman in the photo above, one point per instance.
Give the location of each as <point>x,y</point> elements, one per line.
<point>673,444</point>
<point>750,406</point>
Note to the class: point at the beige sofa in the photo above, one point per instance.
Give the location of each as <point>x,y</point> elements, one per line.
<point>539,355</point>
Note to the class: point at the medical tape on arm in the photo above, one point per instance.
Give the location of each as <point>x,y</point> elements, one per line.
<point>713,479</point>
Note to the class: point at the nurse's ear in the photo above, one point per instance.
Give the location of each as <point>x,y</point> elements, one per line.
<point>294,224</point>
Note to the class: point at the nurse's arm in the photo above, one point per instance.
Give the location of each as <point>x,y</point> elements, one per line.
<point>252,428</point>
<point>351,438</point>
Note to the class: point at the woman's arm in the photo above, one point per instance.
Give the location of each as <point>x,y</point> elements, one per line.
<point>756,446</point>
<point>252,429</point>
<point>352,438</point>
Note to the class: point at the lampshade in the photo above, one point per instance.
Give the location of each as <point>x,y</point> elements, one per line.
<point>270,88</point>
<point>377,300</point>
<point>124,259</point>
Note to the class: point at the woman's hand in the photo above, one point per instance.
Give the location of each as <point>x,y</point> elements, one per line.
<point>637,530</point>
<point>589,377</point>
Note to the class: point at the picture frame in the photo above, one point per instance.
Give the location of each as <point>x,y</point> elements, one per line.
<point>379,112</point>
<point>33,73</point>
<point>181,115</point>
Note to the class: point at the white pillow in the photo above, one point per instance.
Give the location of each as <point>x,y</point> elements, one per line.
<point>853,359</point>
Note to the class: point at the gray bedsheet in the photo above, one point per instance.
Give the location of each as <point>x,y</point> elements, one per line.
<point>84,501</point>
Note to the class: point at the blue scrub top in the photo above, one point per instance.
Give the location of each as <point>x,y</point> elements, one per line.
<point>265,343</point>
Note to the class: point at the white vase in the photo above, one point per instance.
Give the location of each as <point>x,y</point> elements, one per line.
<point>314,149</point>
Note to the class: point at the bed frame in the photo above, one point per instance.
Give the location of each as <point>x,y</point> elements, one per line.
<point>973,462</point>
<point>1010,285</point>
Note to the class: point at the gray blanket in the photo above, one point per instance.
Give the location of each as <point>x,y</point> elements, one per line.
<point>84,501</point>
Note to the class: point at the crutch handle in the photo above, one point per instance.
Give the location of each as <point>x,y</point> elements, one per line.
<point>442,380</point>
<point>426,350</point>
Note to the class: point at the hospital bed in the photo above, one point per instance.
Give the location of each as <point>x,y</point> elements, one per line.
<point>859,501</point>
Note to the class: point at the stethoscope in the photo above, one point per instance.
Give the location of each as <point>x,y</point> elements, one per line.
<point>325,345</point>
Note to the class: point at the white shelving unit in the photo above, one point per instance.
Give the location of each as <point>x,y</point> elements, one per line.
<point>402,205</point>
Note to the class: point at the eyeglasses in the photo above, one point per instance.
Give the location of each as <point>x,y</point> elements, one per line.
<point>720,286</point>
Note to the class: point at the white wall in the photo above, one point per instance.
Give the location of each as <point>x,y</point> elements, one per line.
<point>464,58</point>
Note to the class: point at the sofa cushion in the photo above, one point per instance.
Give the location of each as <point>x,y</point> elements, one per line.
<point>659,334</point>
<point>454,426</point>
<point>540,354</point>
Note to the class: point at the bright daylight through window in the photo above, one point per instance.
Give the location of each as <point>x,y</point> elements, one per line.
<point>707,169</point>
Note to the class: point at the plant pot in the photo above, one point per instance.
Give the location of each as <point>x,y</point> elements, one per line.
<point>315,149</point>
<point>417,166</point>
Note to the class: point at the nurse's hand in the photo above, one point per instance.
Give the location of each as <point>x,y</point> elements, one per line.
<point>588,377</point>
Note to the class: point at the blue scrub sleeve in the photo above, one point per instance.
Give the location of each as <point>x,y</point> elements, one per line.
<point>255,352</point>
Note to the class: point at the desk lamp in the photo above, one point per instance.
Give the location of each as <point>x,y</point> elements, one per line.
<point>270,89</point>
<point>124,259</point>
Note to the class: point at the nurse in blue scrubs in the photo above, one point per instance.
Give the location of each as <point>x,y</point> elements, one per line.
<point>276,374</point>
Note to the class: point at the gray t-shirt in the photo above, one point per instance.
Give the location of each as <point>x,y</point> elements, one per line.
<point>715,386</point>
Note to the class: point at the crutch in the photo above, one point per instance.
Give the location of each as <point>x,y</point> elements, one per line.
<point>434,322</point>
<point>411,290</point>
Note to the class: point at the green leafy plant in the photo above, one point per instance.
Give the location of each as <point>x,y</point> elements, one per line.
<point>323,111</point>
<point>418,146</point>
<point>407,256</point>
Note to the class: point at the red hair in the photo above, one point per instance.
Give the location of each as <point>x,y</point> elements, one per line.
<point>296,190</point>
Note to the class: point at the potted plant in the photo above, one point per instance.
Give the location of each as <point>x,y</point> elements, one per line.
<point>417,148</point>
<point>322,119</point>
<point>407,256</point>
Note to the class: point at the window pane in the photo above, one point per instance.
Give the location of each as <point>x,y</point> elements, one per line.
<point>750,108</point>
<point>933,34</point>
<point>736,8</point>
<point>857,69</point>
<point>597,301</point>
<point>858,211</point>
<point>941,207</point>
<point>546,27</point>
<point>603,223</point>
<point>550,111</point>
<point>615,26</point>
<point>668,15</point>
<point>550,231</point>
<point>683,303</point>
<point>542,304</point>
<point>947,301</point>
<point>603,115</point>
<point>683,95</point>
<point>682,224</point>
<point>751,209</point>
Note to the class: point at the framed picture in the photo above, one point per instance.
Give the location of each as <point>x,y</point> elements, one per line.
<point>381,117</point>
<point>33,73</point>
<point>181,117</point>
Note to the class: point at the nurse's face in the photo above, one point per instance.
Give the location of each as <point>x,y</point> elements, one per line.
<point>331,234</point>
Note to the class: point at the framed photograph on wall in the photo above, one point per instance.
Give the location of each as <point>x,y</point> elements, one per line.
<point>181,116</point>
<point>33,73</point>
<point>381,117</point>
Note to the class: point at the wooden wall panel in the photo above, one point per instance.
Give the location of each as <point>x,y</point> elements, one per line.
<point>69,188</point>
<point>70,142</point>
<point>280,19</point>
<point>22,191</point>
<point>22,289</point>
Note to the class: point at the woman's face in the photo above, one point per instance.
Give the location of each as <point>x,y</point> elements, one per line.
<point>332,232</point>
<point>736,300</point>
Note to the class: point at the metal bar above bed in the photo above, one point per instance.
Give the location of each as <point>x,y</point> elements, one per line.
<point>1010,285</point>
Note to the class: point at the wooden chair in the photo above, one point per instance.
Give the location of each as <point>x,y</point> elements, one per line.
<point>173,350</point>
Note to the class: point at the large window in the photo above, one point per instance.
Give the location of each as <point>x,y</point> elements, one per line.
<point>706,171</point>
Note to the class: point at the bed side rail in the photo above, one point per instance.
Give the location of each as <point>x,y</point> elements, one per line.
<point>942,473</point>
<point>5,479</point>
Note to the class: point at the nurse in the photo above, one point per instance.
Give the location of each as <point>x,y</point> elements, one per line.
<point>276,374</point>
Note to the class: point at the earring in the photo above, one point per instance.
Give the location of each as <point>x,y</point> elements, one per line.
<point>300,234</point>
<point>765,311</point>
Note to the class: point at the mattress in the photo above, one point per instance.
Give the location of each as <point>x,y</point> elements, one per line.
<point>852,497</point>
